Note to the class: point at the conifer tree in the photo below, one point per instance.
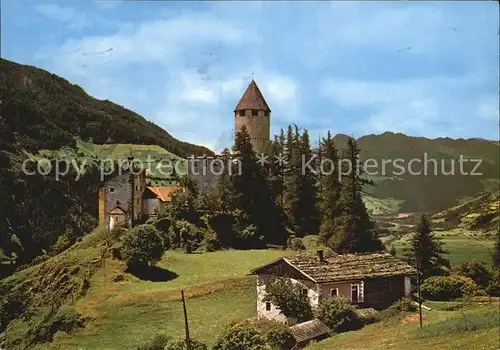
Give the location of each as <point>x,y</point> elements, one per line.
<point>306,219</point>
<point>353,230</point>
<point>224,186</point>
<point>291,177</point>
<point>330,187</point>
<point>252,197</point>
<point>426,251</point>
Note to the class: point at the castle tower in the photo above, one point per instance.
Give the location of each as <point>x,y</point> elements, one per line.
<point>253,112</point>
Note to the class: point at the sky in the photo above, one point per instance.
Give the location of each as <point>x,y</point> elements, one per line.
<point>418,67</point>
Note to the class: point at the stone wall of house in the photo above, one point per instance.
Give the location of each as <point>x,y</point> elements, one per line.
<point>407,286</point>
<point>274,313</point>
<point>259,128</point>
<point>118,193</point>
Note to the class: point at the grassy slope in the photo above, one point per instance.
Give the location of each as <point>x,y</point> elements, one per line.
<point>402,335</point>
<point>130,312</point>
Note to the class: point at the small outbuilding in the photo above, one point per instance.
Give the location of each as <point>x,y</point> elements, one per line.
<point>309,332</point>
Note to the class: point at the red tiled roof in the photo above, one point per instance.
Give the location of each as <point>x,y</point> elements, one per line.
<point>164,193</point>
<point>252,99</point>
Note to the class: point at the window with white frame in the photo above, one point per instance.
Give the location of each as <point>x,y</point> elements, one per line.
<point>268,306</point>
<point>334,292</point>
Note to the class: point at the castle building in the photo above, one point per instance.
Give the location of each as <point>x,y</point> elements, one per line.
<point>120,200</point>
<point>253,112</point>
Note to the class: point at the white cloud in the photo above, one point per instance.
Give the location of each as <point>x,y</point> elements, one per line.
<point>425,106</point>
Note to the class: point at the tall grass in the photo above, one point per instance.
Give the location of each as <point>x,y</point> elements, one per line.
<point>467,322</point>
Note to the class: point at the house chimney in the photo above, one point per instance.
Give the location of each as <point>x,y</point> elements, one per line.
<point>320,255</point>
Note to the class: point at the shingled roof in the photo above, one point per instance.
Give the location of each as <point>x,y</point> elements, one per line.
<point>252,99</point>
<point>309,330</point>
<point>343,267</point>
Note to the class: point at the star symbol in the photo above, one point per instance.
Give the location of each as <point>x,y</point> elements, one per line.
<point>280,159</point>
<point>262,158</point>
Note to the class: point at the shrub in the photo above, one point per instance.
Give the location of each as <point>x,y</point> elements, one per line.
<point>180,344</point>
<point>242,336</point>
<point>400,306</point>
<point>338,314</point>
<point>297,244</point>
<point>447,287</point>
<point>276,334</point>
<point>142,245</point>
<point>289,299</point>
<point>493,287</point>
<point>157,343</point>
<point>476,270</point>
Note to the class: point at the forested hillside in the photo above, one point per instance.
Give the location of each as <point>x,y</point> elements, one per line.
<point>43,111</point>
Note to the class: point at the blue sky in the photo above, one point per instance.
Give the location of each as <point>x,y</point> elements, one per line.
<point>423,68</point>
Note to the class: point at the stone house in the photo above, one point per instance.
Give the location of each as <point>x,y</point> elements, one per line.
<point>154,199</point>
<point>125,200</point>
<point>373,280</point>
<point>120,199</point>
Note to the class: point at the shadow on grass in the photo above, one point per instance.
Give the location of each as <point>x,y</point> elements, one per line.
<point>152,273</point>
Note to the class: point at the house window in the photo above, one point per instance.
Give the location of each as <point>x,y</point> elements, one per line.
<point>111,189</point>
<point>334,292</point>
<point>255,112</point>
<point>268,306</point>
<point>304,291</point>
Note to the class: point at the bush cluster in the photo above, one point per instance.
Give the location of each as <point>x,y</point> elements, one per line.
<point>443,288</point>
<point>255,335</point>
<point>339,315</point>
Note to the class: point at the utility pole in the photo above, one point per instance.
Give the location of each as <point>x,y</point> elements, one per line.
<point>188,341</point>
<point>418,286</point>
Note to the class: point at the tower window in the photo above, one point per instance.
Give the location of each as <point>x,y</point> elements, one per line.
<point>255,112</point>
<point>268,306</point>
<point>266,114</point>
<point>241,113</point>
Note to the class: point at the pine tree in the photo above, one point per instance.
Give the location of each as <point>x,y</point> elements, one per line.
<point>426,252</point>
<point>224,186</point>
<point>307,219</point>
<point>330,187</point>
<point>353,230</point>
<point>291,177</point>
<point>252,196</point>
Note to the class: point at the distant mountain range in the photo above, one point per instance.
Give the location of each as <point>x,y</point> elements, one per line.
<point>436,190</point>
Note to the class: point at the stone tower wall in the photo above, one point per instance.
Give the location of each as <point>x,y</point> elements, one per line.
<point>259,128</point>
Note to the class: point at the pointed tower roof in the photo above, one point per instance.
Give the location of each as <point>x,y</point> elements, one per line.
<point>252,99</point>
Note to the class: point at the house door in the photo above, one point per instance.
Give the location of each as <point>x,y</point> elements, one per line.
<point>354,293</point>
